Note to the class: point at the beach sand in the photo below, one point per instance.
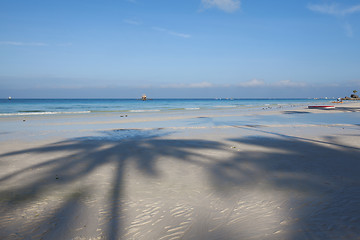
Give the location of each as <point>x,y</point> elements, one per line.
<point>291,174</point>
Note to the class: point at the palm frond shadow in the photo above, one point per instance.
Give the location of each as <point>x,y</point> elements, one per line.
<point>85,156</point>
<point>324,173</point>
<point>306,167</point>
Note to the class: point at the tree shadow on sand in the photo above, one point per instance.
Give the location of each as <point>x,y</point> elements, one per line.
<point>348,109</point>
<point>321,177</point>
<point>323,173</point>
<point>85,155</point>
<point>295,112</point>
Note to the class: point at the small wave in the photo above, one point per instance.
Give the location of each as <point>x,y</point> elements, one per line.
<point>40,113</point>
<point>31,111</point>
<point>108,111</point>
<point>181,109</point>
<point>152,110</point>
<point>225,106</point>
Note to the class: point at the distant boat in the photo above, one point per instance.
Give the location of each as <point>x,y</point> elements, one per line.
<point>144,98</point>
<point>321,107</point>
<point>9,98</point>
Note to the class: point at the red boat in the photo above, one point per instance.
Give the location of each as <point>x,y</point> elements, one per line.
<point>321,107</point>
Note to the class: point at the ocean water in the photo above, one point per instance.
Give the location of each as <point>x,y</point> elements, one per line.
<point>87,106</point>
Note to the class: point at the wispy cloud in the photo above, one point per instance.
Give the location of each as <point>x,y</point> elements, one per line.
<point>288,83</point>
<point>261,83</point>
<point>225,5</point>
<point>191,85</point>
<point>132,21</point>
<point>177,34</point>
<point>348,30</point>
<point>23,43</point>
<point>246,84</point>
<point>201,85</point>
<point>252,83</point>
<point>183,35</point>
<point>334,9</point>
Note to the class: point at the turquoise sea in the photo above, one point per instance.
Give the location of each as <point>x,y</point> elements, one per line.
<point>86,106</point>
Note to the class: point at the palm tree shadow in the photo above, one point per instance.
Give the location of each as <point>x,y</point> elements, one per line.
<point>295,112</point>
<point>322,170</point>
<point>348,109</point>
<point>68,174</point>
<point>325,174</point>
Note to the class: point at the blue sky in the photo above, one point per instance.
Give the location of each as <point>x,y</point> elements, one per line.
<point>179,48</point>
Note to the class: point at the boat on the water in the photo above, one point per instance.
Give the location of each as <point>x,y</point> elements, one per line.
<point>144,98</point>
<point>321,107</point>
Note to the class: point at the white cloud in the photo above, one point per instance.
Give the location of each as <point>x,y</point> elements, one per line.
<point>201,85</point>
<point>177,34</point>
<point>23,43</point>
<point>325,8</point>
<point>333,9</point>
<point>288,83</point>
<point>132,22</point>
<point>252,83</point>
<point>192,85</point>
<point>261,83</point>
<point>180,34</point>
<point>352,9</point>
<point>225,5</point>
<point>159,29</point>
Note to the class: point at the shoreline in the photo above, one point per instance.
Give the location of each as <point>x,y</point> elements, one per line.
<point>28,107</point>
<point>196,176</point>
<point>191,113</point>
<point>18,126</point>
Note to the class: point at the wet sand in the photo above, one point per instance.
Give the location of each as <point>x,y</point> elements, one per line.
<point>290,174</point>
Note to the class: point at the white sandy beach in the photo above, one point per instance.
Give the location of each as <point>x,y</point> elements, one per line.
<point>213,175</point>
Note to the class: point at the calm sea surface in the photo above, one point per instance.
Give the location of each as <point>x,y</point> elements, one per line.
<point>85,106</point>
